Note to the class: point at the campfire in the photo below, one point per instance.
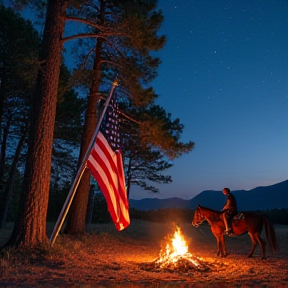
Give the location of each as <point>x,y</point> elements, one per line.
<point>176,258</point>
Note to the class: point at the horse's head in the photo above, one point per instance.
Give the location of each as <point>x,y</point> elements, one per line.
<point>198,217</point>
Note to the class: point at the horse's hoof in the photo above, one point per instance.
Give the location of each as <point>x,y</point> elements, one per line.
<point>263,258</point>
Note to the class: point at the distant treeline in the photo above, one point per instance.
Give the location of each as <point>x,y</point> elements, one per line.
<point>163,215</point>
<point>276,216</point>
<point>99,214</point>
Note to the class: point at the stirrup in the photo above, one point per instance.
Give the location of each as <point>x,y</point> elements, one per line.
<point>228,232</point>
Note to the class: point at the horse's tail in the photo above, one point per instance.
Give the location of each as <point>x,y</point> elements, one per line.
<point>270,234</point>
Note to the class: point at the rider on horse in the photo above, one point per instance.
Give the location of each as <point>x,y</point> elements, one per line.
<point>229,209</point>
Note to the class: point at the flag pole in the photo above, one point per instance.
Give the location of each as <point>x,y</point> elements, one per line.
<point>80,172</point>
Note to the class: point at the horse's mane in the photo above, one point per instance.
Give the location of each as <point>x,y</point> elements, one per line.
<point>210,209</point>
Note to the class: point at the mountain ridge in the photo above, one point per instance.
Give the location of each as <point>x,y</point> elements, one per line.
<point>260,198</point>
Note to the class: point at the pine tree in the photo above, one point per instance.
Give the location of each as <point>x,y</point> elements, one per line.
<point>123,47</point>
<point>18,67</point>
<point>150,145</point>
<point>30,226</point>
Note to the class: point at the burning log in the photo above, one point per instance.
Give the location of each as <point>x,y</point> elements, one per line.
<point>176,258</point>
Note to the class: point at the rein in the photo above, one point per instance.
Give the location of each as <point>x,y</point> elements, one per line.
<point>199,224</point>
<point>202,231</point>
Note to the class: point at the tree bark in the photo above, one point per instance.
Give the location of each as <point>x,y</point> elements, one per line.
<point>3,151</point>
<point>76,220</point>
<point>30,227</point>
<point>9,187</point>
<point>90,208</point>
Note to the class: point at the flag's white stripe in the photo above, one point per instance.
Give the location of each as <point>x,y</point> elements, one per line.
<point>107,164</point>
<point>110,168</point>
<point>104,156</point>
<point>116,199</point>
<point>122,191</point>
<point>109,187</point>
<point>121,183</point>
<point>112,193</point>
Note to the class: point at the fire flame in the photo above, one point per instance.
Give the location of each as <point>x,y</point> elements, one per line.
<point>176,250</point>
<point>179,244</point>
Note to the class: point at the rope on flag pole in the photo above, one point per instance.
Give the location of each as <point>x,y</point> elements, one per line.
<point>80,172</point>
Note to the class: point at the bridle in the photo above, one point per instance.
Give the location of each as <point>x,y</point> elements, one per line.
<point>201,220</point>
<point>199,215</point>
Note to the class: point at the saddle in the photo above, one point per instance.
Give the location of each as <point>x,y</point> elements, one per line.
<point>238,216</point>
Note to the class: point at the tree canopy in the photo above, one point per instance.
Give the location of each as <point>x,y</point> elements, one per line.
<point>125,33</point>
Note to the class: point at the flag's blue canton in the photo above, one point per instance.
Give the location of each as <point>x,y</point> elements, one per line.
<point>110,126</point>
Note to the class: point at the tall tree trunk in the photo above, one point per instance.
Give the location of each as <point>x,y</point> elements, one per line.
<point>2,101</point>
<point>76,220</point>
<point>4,205</point>
<point>128,183</point>
<point>3,151</point>
<point>89,214</point>
<point>30,227</point>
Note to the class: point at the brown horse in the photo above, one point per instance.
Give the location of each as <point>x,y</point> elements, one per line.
<point>250,222</point>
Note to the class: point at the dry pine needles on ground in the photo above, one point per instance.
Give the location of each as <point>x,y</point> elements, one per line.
<point>105,257</point>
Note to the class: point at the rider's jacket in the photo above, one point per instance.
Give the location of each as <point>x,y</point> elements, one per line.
<point>231,205</point>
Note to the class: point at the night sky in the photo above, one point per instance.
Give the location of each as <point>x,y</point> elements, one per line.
<point>224,73</point>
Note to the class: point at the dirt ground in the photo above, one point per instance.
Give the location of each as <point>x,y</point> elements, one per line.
<point>105,257</point>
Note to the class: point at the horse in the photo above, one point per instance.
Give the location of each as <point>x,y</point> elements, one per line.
<point>243,222</point>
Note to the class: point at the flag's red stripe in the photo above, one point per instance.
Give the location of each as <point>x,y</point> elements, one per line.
<point>106,161</point>
<point>105,177</point>
<point>124,215</point>
<point>107,191</point>
<point>122,190</point>
<point>107,195</point>
<point>107,168</point>
<point>106,149</point>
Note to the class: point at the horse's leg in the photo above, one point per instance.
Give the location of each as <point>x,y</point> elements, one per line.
<point>223,245</point>
<point>253,245</point>
<point>262,244</point>
<point>218,246</point>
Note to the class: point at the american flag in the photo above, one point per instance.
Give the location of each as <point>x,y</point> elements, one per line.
<point>106,165</point>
